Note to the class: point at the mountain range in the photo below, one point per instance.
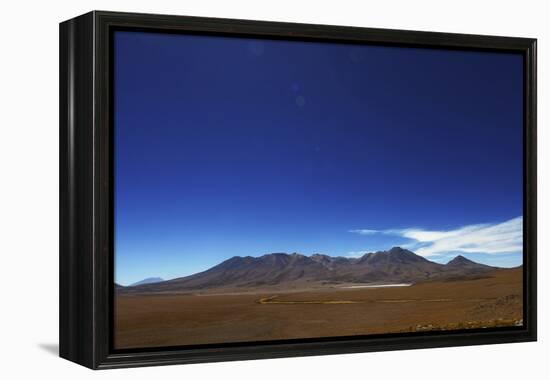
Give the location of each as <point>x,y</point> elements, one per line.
<point>296,271</point>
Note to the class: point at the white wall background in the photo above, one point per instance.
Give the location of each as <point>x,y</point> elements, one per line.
<point>29,187</point>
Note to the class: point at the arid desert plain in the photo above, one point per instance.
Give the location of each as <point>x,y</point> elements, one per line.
<point>164,317</point>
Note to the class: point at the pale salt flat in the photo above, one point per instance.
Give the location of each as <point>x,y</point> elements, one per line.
<point>376,286</point>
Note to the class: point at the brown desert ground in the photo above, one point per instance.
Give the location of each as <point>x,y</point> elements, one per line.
<point>156,320</point>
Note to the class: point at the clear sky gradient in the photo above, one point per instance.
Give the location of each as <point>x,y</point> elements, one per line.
<point>233,146</point>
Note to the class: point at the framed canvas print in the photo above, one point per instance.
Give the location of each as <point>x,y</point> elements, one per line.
<point>237,189</point>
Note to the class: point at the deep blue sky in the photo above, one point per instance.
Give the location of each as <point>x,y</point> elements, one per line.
<point>232,146</point>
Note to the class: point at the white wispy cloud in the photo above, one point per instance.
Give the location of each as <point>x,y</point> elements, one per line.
<point>489,238</point>
<point>365,232</point>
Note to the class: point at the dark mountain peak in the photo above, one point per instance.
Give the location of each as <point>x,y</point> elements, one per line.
<point>459,259</point>
<point>462,261</point>
<point>397,250</point>
<point>366,256</point>
<point>233,262</point>
<point>149,280</point>
<point>410,255</point>
<point>394,255</point>
<point>233,259</point>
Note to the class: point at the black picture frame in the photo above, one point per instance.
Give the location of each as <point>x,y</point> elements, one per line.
<point>86,200</point>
